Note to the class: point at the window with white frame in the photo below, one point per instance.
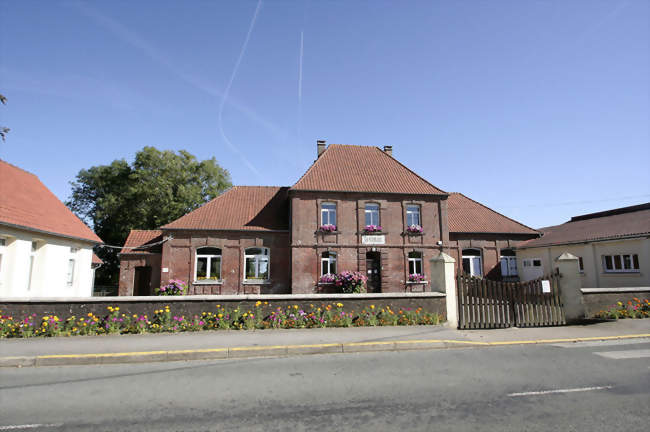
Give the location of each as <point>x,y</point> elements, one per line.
<point>472,262</point>
<point>508,262</point>
<point>32,258</point>
<point>624,263</point>
<point>328,263</point>
<point>328,213</point>
<point>413,215</point>
<point>415,263</point>
<point>372,214</point>
<point>581,266</point>
<point>70,274</point>
<point>3,244</point>
<point>208,264</point>
<point>532,262</point>
<point>256,264</point>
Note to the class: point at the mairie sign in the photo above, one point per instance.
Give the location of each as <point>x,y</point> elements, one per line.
<point>373,239</point>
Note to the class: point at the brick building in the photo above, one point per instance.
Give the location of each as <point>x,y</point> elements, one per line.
<point>259,239</point>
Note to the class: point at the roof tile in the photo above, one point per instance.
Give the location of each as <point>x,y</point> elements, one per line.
<point>468,216</point>
<point>240,208</point>
<point>26,202</point>
<point>350,168</point>
<point>138,240</point>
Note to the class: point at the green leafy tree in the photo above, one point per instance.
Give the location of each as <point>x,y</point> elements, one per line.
<point>157,188</point>
<point>3,130</point>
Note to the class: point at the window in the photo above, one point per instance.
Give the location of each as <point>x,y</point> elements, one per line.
<point>257,264</point>
<point>581,266</point>
<point>472,263</point>
<point>74,250</point>
<point>413,215</point>
<point>3,243</point>
<point>415,263</point>
<point>626,263</point>
<point>328,213</point>
<point>532,262</point>
<point>372,214</point>
<point>508,263</point>
<point>328,263</point>
<point>70,275</point>
<point>208,264</point>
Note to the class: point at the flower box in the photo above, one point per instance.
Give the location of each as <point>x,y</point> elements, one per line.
<point>372,229</point>
<point>416,278</point>
<point>327,228</point>
<point>414,230</point>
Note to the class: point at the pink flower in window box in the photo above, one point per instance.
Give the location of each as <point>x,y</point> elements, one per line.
<point>414,229</point>
<point>416,277</point>
<point>372,228</point>
<point>328,228</point>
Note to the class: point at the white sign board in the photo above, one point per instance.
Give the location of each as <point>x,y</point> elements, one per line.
<point>165,270</point>
<point>546,286</point>
<point>373,239</point>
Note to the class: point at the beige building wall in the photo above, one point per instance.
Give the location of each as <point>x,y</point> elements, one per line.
<point>594,274</point>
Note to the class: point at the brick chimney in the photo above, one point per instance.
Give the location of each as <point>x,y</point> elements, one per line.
<point>320,147</point>
<point>388,150</point>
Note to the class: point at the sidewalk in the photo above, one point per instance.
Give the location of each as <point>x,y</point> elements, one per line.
<point>239,344</point>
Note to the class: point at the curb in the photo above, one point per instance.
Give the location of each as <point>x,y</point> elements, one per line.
<point>274,351</point>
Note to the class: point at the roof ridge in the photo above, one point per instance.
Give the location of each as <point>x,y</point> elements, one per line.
<point>19,168</point>
<point>500,214</point>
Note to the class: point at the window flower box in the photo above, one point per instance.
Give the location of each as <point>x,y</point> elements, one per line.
<point>327,279</point>
<point>327,228</point>
<point>372,229</point>
<point>414,230</point>
<point>416,278</point>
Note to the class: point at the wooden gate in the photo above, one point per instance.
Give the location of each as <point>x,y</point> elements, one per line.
<point>485,304</point>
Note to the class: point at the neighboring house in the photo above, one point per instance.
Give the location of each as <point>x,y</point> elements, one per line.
<point>45,250</point>
<point>259,239</point>
<point>613,248</point>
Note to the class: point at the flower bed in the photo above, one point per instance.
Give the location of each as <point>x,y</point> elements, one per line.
<point>634,308</point>
<point>261,316</point>
<point>173,288</point>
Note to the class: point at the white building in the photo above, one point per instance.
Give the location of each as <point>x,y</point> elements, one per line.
<point>613,248</point>
<point>45,250</point>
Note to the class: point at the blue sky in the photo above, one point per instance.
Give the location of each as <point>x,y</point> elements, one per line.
<point>538,109</point>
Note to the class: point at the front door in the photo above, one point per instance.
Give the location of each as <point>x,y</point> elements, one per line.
<point>142,281</point>
<point>373,270</point>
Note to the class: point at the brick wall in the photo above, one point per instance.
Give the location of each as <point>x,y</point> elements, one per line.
<point>128,264</point>
<point>308,244</point>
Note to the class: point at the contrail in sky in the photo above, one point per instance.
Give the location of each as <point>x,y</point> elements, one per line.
<point>227,91</point>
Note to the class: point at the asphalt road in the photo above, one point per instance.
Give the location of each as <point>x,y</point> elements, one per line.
<point>599,386</point>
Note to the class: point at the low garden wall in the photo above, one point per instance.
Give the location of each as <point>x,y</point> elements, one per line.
<point>599,299</point>
<point>194,305</point>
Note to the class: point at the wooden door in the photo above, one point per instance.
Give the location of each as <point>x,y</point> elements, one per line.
<point>142,281</point>
<point>373,271</point>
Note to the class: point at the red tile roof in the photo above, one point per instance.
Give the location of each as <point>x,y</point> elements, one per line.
<point>350,168</point>
<point>138,240</point>
<point>468,216</point>
<point>25,202</point>
<point>97,260</point>
<point>633,223</point>
<point>240,208</point>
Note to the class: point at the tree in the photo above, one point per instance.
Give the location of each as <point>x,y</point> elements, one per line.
<point>157,188</point>
<point>3,130</point>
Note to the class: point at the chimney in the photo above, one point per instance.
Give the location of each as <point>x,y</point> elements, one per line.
<point>320,147</point>
<point>388,150</point>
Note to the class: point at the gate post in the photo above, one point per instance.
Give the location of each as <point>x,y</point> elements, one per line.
<point>570,285</point>
<point>443,280</point>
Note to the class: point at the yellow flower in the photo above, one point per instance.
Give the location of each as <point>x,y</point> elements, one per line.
<point>372,306</point>
<point>339,304</point>
<point>45,318</point>
<point>295,306</point>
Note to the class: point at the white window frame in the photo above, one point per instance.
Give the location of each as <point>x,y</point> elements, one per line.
<point>32,259</point>
<point>413,210</point>
<point>328,261</point>
<point>509,262</point>
<point>3,248</point>
<point>265,256</point>
<point>327,214</point>
<point>70,274</point>
<point>621,257</point>
<point>373,213</point>
<point>473,259</point>
<point>416,261</point>
<point>530,262</point>
<point>209,257</point>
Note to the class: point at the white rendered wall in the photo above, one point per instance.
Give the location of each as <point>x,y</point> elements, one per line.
<point>49,273</point>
